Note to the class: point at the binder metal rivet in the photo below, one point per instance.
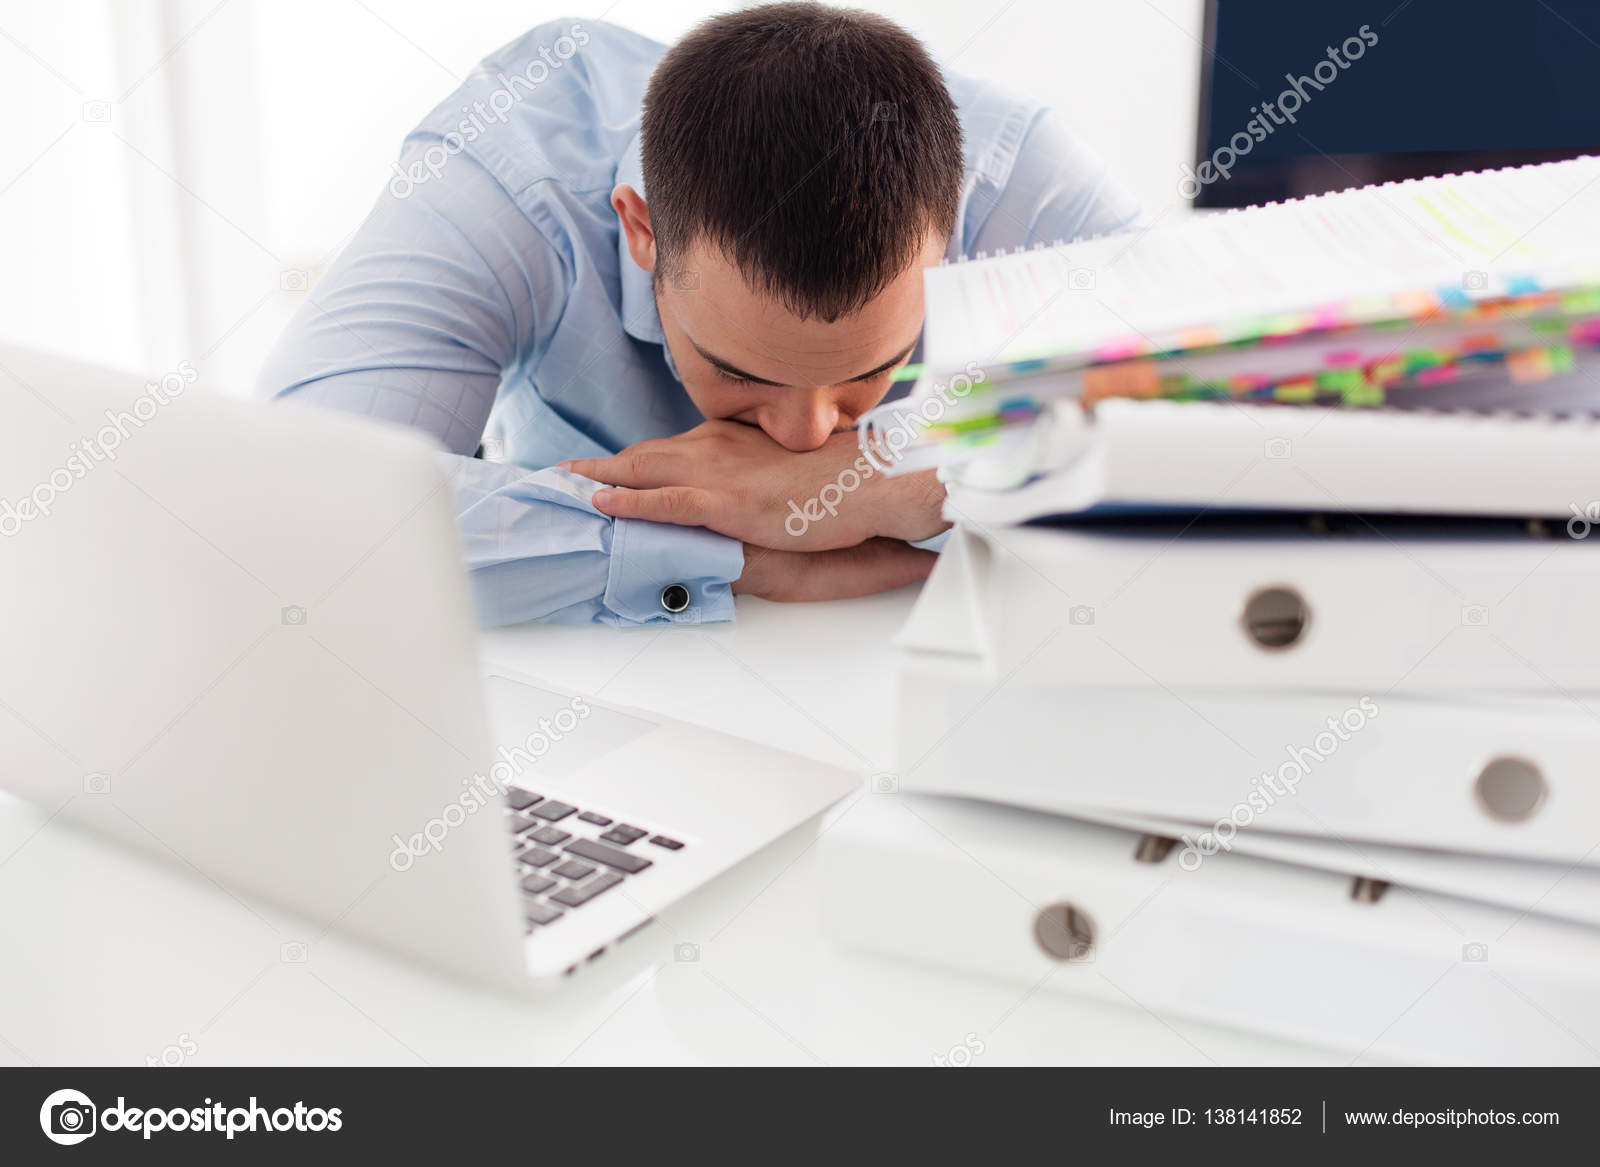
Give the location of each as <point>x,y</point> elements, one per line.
<point>1511,790</point>
<point>1368,891</point>
<point>1064,932</point>
<point>1153,848</point>
<point>1276,617</point>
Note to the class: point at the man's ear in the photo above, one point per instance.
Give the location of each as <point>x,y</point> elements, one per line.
<point>634,216</point>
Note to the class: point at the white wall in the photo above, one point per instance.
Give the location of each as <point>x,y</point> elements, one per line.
<point>245,139</point>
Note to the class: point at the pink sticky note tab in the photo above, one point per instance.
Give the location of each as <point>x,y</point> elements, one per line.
<point>1119,350</point>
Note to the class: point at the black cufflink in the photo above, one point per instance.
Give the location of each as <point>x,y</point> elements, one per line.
<point>674,598</point>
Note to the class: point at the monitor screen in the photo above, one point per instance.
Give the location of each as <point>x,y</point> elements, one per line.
<point>1297,99</point>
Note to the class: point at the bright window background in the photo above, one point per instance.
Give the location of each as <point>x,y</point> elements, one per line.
<point>172,166</point>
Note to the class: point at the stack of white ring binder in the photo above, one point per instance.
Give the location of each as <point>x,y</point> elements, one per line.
<point>1281,717</point>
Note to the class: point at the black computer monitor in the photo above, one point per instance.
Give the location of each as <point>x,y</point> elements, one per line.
<point>1301,98</point>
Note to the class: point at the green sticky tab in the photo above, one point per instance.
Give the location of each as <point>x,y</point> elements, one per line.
<point>906,373</point>
<point>1583,300</point>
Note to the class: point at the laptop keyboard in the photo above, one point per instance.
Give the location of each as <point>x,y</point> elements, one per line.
<point>567,856</point>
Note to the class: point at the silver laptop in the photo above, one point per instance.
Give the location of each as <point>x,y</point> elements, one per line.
<point>240,636</point>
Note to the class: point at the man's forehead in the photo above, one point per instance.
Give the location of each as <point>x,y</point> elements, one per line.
<point>734,323</point>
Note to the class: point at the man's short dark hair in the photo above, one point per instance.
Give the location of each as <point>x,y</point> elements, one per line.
<point>816,147</point>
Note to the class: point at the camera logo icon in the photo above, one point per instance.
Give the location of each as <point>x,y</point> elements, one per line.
<point>67,1117</point>
<point>885,111</point>
<point>686,953</point>
<point>1475,616</point>
<point>1475,281</point>
<point>1475,953</point>
<point>1080,614</point>
<point>1081,279</point>
<point>294,614</point>
<point>1277,449</point>
<point>884,783</point>
<point>97,111</point>
<point>1583,519</point>
<point>687,280</point>
<point>294,280</point>
<point>292,952</point>
<point>97,784</point>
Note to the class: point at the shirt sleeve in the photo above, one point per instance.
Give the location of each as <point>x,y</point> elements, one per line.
<point>540,551</point>
<point>442,289</point>
<point>1059,189</point>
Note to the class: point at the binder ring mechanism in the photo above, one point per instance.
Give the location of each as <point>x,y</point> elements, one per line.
<point>1275,617</point>
<point>1510,790</point>
<point>1065,932</point>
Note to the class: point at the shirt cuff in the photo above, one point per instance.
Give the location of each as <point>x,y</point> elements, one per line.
<point>661,573</point>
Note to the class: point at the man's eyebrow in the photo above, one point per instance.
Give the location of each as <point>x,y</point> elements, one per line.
<point>734,371</point>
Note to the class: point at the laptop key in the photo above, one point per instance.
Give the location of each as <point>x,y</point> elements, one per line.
<point>538,913</point>
<point>534,884</point>
<point>669,844</point>
<point>552,810</point>
<point>598,820</point>
<point>538,857</point>
<point>576,897</point>
<point>610,856</point>
<point>572,869</point>
<point>520,799</point>
<point>549,836</point>
<point>622,834</point>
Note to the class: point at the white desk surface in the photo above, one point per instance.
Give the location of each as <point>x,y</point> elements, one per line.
<point>108,958</point>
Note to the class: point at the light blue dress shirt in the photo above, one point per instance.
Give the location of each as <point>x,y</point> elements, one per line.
<point>489,297</point>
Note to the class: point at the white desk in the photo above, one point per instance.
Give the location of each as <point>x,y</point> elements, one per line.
<point>109,958</point>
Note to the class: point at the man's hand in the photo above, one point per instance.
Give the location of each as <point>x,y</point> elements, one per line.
<point>878,565</point>
<point>737,481</point>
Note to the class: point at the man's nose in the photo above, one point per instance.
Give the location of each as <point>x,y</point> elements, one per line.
<point>800,425</point>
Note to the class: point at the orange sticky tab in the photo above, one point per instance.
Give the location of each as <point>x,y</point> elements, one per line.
<point>1415,304</point>
<point>1528,366</point>
<point>1126,379</point>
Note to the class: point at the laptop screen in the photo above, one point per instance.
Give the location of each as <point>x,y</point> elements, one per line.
<point>1298,99</point>
<point>540,735</point>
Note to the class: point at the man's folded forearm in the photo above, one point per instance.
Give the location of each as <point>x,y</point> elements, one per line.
<point>537,549</point>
